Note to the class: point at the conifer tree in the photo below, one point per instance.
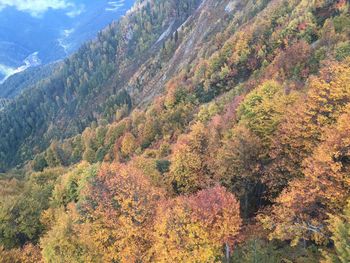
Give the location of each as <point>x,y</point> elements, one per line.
<point>340,228</point>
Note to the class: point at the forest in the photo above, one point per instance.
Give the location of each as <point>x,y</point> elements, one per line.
<point>189,131</point>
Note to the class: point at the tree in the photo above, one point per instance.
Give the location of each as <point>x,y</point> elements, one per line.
<point>263,109</point>
<point>90,143</point>
<point>39,163</point>
<point>20,215</point>
<point>339,227</point>
<point>30,254</point>
<point>245,149</point>
<point>218,211</point>
<point>150,129</point>
<point>196,228</point>
<point>239,166</point>
<point>177,237</point>
<point>292,63</point>
<point>188,170</point>
<point>121,204</point>
<point>54,156</point>
<point>302,209</point>
<point>301,129</point>
<point>149,167</point>
<point>89,155</point>
<point>66,242</point>
<point>10,256</point>
<point>70,187</point>
<point>128,145</point>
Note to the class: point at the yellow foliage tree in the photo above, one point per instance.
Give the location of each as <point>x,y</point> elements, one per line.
<point>302,209</point>
<point>67,240</point>
<point>188,170</point>
<point>304,122</point>
<point>196,228</point>
<point>122,209</point>
<point>128,144</point>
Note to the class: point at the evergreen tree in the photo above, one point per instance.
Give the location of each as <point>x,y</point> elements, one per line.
<point>340,228</point>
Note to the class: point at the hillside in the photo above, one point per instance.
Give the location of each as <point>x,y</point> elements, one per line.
<point>76,93</point>
<point>15,84</point>
<point>189,131</point>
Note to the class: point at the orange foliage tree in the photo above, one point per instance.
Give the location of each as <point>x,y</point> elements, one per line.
<point>189,171</point>
<point>121,211</point>
<point>302,128</point>
<point>302,209</point>
<point>196,228</point>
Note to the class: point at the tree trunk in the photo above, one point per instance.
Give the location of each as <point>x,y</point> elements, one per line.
<point>227,252</point>
<point>246,204</point>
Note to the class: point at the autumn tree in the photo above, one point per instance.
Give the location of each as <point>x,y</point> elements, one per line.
<point>68,240</point>
<point>218,210</point>
<point>243,153</point>
<point>54,155</point>
<point>263,108</point>
<point>301,129</point>
<point>10,256</point>
<point>238,165</point>
<point>177,238</point>
<point>90,145</point>
<point>128,145</point>
<point>150,130</point>
<point>31,254</point>
<point>292,63</point>
<point>20,214</point>
<point>196,228</point>
<point>121,205</point>
<point>302,210</point>
<point>70,186</point>
<point>149,167</point>
<point>188,171</point>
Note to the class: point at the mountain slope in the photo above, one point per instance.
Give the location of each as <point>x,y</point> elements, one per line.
<point>219,133</point>
<point>77,85</point>
<point>15,84</point>
<point>74,95</point>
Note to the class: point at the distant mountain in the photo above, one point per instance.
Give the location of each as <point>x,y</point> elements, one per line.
<point>32,34</point>
<point>16,83</point>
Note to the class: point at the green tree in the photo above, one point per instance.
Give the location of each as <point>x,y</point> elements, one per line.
<point>188,170</point>
<point>20,215</point>
<point>340,229</point>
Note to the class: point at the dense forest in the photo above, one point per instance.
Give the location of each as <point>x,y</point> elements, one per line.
<point>83,88</point>
<point>189,131</point>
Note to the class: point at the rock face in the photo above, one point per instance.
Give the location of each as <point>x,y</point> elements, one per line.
<point>207,20</point>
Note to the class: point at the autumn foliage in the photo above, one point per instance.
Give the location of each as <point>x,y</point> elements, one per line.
<point>244,156</point>
<point>196,228</point>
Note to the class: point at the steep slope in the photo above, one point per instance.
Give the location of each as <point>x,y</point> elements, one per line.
<point>141,64</point>
<point>74,95</point>
<point>236,53</point>
<point>198,37</point>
